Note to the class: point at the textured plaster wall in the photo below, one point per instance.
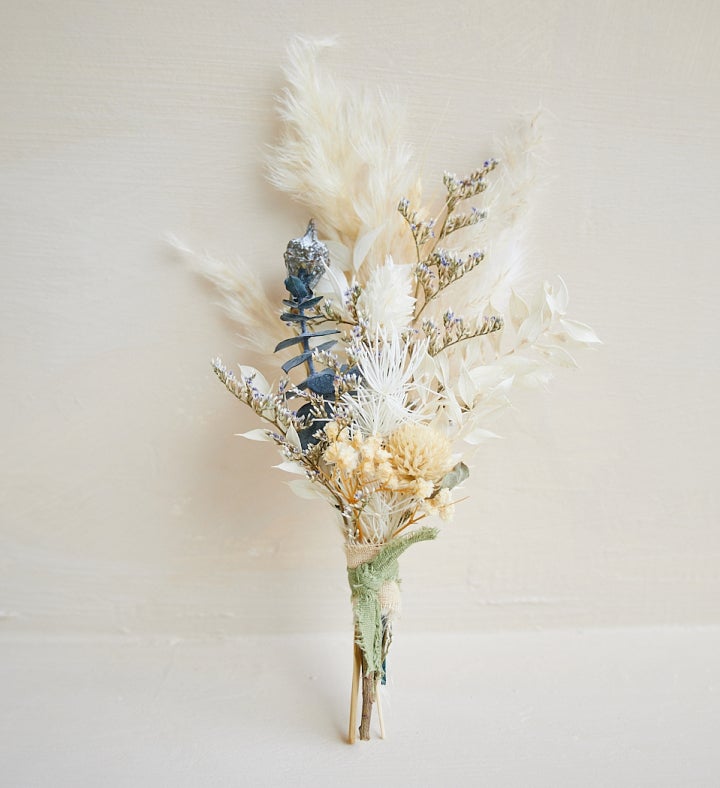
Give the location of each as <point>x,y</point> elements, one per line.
<point>127,506</point>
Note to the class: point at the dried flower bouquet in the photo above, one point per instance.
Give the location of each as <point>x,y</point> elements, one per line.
<point>404,329</point>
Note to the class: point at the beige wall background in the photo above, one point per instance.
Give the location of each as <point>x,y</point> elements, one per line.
<point>127,506</point>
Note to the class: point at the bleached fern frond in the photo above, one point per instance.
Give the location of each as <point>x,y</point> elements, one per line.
<point>517,173</point>
<point>342,155</point>
<point>244,298</point>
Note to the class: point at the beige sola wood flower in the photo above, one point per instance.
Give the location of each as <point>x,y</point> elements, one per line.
<point>405,328</point>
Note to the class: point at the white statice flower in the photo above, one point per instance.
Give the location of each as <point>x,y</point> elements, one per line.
<point>387,301</point>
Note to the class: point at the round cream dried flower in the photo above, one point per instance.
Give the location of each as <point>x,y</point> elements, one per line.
<point>332,430</point>
<point>422,488</point>
<point>445,505</point>
<point>419,452</point>
<point>341,455</point>
<point>386,475</point>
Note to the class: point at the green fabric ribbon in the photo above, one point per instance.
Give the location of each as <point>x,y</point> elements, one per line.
<point>366,580</point>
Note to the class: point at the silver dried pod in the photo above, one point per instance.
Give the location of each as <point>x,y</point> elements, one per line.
<point>307,257</point>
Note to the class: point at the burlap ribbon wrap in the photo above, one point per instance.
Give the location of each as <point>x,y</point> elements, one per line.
<point>375,591</point>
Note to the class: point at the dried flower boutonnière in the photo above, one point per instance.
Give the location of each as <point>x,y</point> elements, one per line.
<point>407,322</point>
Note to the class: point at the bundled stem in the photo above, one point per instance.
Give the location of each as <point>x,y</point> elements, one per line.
<point>368,698</point>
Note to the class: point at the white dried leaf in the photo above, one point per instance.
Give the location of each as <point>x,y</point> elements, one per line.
<point>305,489</point>
<point>255,435</point>
<point>291,467</point>
<point>558,299</point>
<point>504,386</point>
<point>292,438</point>
<point>558,355</point>
<point>531,327</point>
<point>333,285</point>
<point>488,376</point>
<point>580,332</point>
<point>311,491</point>
<point>442,365</point>
<point>495,338</point>
<point>519,310</point>
<point>363,244</point>
<point>466,387</point>
<point>479,435</point>
<point>539,378</point>
<point>340,255</point>
<point>258,379</point>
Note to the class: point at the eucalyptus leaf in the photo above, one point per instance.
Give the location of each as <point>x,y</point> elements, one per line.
<point>321,382</point>
<point>307,436</point>
<point>300,337</point>
<point>309,303</point>
<point>456,476</point>
<point>325,345</point>
<point>290,341</point>
<point>297,288</point>
<point>295,361</point>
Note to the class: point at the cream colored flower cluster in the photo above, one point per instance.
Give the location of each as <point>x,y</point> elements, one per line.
<point>419,452</point>
<point>409,464</point>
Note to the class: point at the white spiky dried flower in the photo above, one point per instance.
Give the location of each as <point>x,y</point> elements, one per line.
<point>388,364</point>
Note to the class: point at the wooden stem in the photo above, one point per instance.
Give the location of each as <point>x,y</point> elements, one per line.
<point>357,662</point>
<point>368,695</point>
<point>381,721</point>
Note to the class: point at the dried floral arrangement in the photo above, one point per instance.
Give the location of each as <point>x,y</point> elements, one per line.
<point>403,330</point>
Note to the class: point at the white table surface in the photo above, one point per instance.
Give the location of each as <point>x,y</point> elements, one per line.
<point>633,707</point>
